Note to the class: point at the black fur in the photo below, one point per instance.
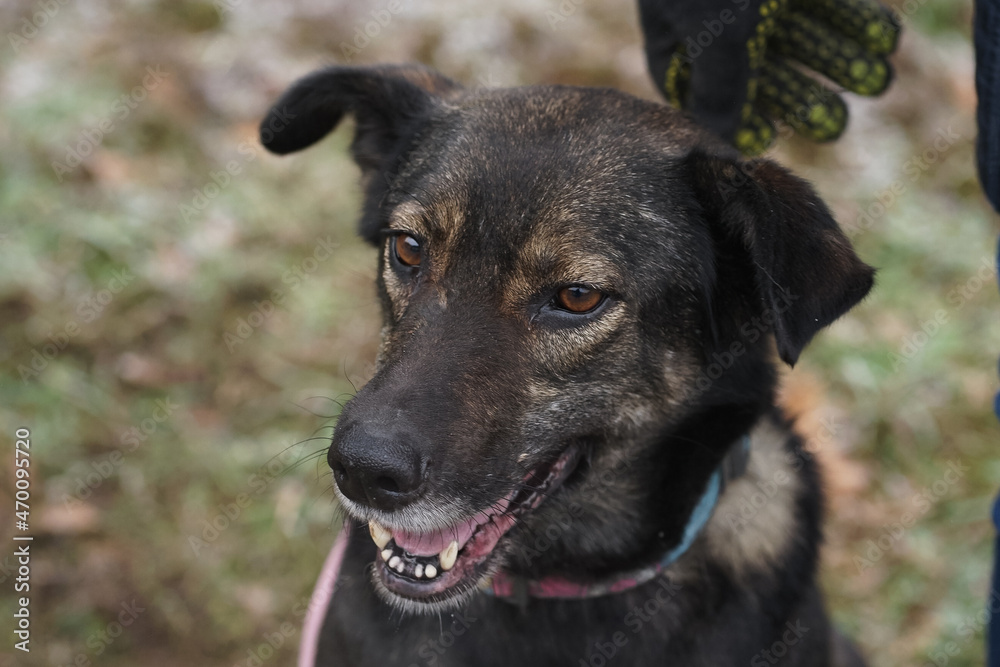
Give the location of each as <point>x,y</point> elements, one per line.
<point>705,260</point>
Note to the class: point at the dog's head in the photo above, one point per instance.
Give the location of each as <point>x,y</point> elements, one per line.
<point>582,293</point>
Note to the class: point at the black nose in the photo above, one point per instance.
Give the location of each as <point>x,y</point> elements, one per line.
<point>384,473</point>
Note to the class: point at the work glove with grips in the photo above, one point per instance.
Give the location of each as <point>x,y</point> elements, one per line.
<point>730,62</point>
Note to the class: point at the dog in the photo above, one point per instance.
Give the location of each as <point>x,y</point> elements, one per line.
<point>570,453</point>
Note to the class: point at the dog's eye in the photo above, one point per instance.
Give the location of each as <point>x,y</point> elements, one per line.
<point>407,250</point>
<point>578,299</point>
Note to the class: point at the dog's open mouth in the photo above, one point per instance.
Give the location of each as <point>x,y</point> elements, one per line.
<point>428,567</point>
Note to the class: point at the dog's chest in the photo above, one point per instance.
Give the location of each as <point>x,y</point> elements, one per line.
<point>628,629</point>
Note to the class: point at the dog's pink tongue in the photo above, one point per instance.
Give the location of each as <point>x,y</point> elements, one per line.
<point>433,543</point>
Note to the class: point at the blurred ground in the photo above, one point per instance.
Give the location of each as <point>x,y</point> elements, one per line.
<point>176,336</point>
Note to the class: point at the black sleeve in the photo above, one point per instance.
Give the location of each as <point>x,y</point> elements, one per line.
<point>987,43</point>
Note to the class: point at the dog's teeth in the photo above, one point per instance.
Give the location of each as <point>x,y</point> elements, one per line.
<point>448,556</point>
<point>386,554</point>
<point>419,571</point>
<point>430,572</point>
<point>379,534</point>
<point>399,567</point>
<point>394,561</point>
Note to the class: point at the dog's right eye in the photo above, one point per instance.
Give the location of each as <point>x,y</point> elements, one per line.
<point>407,250</point>
<point>578,299</point>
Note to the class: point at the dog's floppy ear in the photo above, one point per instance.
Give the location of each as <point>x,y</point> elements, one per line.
<point>389,104</point>
<point>805,271</point>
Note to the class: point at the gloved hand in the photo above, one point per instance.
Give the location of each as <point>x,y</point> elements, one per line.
<point>728,62</point>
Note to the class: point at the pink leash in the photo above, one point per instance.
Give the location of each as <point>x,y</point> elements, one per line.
<point>319,603</point>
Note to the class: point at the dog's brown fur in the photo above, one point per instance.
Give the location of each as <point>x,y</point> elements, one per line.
<point>708,264</point>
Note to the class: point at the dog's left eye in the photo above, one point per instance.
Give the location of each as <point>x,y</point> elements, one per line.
<point>407,250</point>
<point>578,299</point>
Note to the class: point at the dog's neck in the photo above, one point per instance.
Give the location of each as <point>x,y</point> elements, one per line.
<point>518,589</point>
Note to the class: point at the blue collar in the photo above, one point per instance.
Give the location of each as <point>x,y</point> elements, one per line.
<point>732,467</point>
